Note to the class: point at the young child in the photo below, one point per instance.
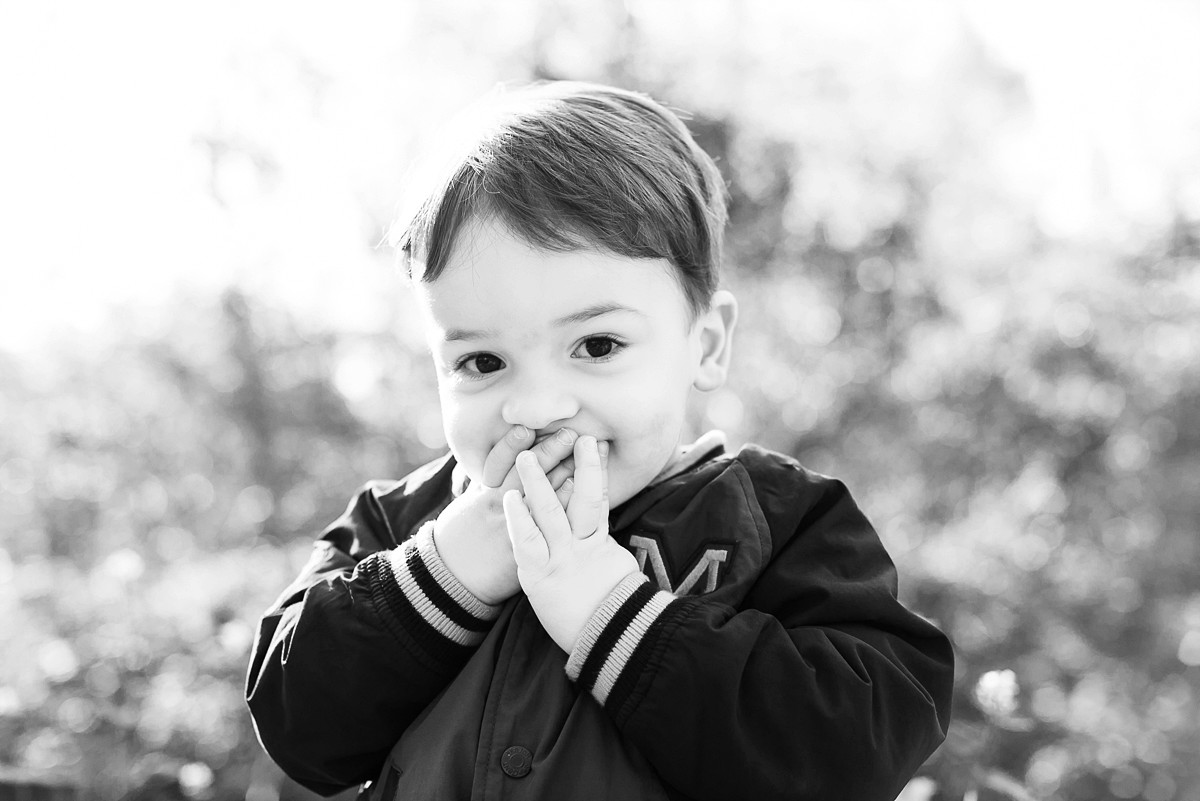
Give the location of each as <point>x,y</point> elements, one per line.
<point>573,603</point>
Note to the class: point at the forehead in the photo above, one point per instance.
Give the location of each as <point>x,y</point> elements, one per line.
<point>494,280</point>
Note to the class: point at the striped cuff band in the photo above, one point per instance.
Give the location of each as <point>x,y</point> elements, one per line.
<point>614,632</point>
<point>447,580</point>
<point>434,592</point>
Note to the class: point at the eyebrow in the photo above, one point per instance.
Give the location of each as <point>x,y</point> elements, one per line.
<point>574,318</point>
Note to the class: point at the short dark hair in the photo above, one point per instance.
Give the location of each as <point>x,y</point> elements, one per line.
<point>568,165</point>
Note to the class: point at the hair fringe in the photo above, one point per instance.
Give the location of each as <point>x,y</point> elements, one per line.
<point>569,165</point>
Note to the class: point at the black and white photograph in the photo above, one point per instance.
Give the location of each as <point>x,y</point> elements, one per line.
<point>725,400</point>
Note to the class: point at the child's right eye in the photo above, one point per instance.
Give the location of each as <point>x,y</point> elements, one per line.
<point>479,363</point>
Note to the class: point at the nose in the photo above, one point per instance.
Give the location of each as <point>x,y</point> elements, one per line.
<point>537,399</point>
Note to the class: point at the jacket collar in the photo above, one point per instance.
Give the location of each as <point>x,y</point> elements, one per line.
<point>709,444</point>
<point>690,459</point>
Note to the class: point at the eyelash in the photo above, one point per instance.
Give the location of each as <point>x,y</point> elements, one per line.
<point>461,366</point>
<point>618,345</point>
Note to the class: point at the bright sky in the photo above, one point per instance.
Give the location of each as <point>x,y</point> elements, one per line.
<point>1114,81</point>
<point>107,192</point>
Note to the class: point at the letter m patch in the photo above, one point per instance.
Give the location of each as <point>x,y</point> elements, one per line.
<point>703,575</point>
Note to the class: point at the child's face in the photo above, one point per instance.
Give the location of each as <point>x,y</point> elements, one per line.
<point>586,340</point>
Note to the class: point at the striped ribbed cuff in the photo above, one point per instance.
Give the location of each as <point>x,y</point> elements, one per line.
<point>614,632</point>
<point>435,594</point>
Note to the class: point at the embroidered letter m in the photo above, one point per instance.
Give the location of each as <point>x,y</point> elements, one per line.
<point>707,566</point>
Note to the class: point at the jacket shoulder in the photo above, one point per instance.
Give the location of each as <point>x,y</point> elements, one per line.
<point>790,494</point>
<point>774,472</point>
<point>431,479</point>
<point>384,513</point>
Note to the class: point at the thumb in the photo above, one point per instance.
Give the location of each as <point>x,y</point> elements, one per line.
<point>529,546</point>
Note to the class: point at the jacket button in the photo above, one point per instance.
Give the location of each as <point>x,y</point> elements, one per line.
<point>516,761</point>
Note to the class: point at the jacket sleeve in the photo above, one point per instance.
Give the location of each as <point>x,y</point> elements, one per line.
<point>822,686</point>
<point>356,647</point>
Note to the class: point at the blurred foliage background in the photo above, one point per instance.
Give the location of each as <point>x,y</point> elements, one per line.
<point>965,237</point>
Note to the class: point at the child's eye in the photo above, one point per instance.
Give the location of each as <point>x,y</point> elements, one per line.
<point>598,347</point>
<point>479,363</point>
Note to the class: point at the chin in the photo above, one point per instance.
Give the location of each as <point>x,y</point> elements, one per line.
<point>615,500</point>
<point>623,491</point>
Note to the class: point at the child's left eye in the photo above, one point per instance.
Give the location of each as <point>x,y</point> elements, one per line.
<point>598,347</point>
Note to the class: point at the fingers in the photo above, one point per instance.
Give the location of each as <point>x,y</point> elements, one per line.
<point>549,453</point>
<point>541,500</point>
<point>603,448</point>
<point>553,450</point>
<point>529,546</point>
<point>562,472</point>
<point>500,459</point>
<point>587,511</point>
<point>565,491</point>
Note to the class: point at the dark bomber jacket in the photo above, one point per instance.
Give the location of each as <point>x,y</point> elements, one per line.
<point>764,655</point>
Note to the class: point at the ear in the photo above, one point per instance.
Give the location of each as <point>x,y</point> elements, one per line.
<point>714,336</point>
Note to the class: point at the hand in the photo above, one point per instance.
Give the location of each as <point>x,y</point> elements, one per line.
<point>470,532</point>
<point>566,561</point>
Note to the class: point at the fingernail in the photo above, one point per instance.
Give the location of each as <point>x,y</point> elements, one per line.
<point>565,435</point>
<point>520,432</point>
<point>603,448</point>
<point>526,457</point>
<point>568,485</point>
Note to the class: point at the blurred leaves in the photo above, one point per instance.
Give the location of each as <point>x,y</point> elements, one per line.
<point>159,491</point>
<point>1009,383</point>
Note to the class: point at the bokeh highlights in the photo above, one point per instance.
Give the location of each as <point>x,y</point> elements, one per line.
<point>966,240</point>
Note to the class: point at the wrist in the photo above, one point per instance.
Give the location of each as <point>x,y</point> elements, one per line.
<point>464,595</point>
<point>427,602</point>
<point>460,558</point>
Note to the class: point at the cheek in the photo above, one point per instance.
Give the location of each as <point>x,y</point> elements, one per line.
<point>656,413</point>
<point>645,445</point>
<point>467,431</point>
<point>653,427</point>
